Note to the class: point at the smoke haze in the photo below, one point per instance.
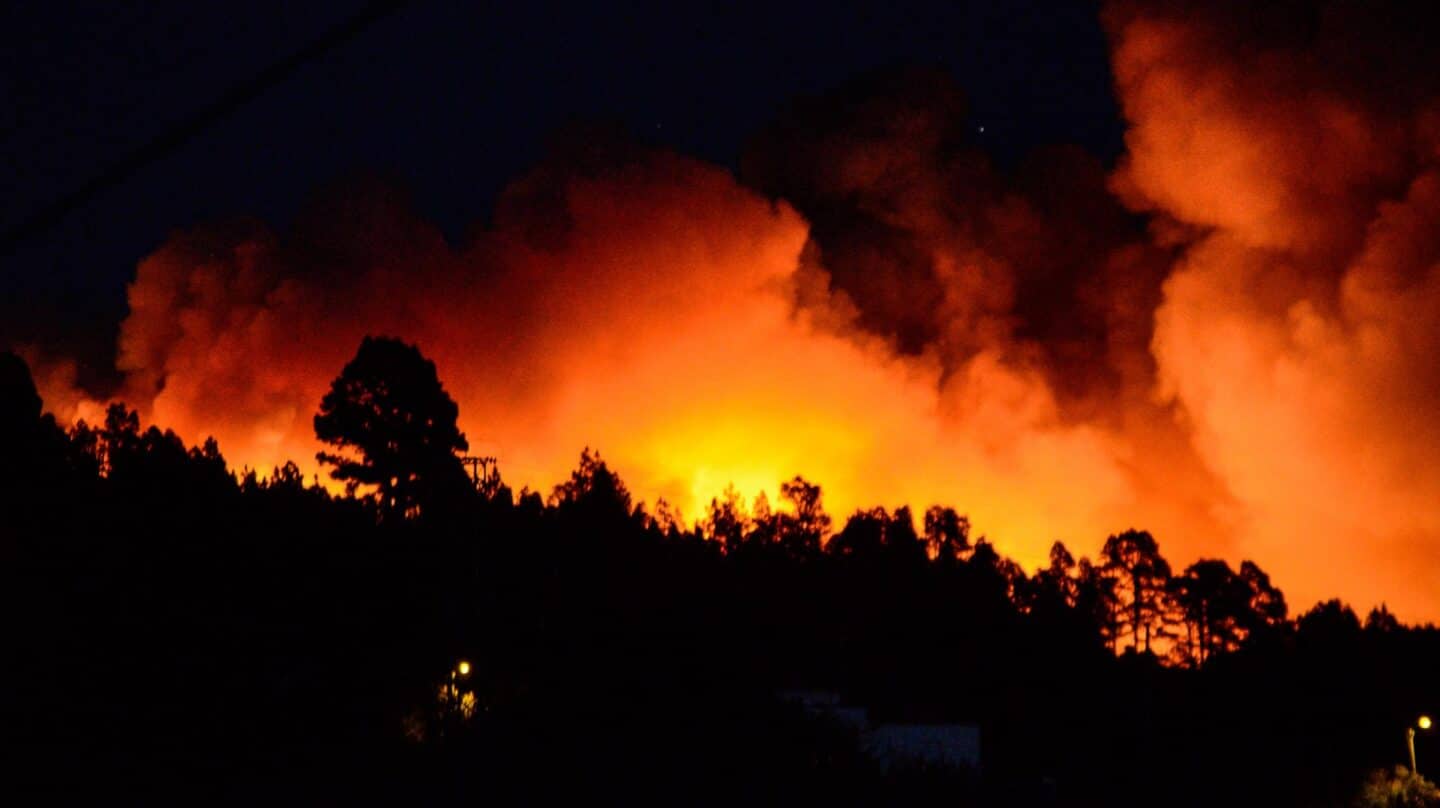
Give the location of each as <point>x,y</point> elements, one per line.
<point>1227,339</point>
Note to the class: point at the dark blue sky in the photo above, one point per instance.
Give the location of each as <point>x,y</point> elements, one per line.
<point>452,98</point>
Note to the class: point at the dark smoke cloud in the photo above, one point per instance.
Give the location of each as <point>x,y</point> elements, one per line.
<point>941,251</point>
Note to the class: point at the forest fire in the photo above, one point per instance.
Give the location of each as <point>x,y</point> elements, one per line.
<point>959,403</point>
<point>1228,340</point>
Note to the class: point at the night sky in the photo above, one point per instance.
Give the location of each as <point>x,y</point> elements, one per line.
<point>452,100</point>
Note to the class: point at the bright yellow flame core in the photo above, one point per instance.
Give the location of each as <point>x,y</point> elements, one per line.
<point>463,668</point>
<point>1424,722</point>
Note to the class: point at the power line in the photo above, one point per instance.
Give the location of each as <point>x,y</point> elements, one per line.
<point>170,140</point>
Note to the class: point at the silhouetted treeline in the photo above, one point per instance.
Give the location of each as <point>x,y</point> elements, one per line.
<point>174,628</point>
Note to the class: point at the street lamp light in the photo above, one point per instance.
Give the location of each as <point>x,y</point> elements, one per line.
<point>1424,723</point>
<point>460,671</point>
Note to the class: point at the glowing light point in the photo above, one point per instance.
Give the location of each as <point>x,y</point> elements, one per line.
<point>1424,722</point>
<point>464,670</point>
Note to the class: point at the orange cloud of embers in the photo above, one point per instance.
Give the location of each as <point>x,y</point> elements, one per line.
<point>1249,377</point>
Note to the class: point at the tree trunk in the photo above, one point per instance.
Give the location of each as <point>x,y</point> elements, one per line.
<point>1204,632</point>
<point>1136,596</point>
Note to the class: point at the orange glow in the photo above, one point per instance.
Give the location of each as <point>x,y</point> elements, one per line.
<point>1299,325</point>
<point>661,329</point>
<point>1282,409</point>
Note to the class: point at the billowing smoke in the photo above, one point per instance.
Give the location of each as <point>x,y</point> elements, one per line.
<point>653,308</point>
<point>1225,340</point>
<point>1291,154</point>
<point>1038,271</point>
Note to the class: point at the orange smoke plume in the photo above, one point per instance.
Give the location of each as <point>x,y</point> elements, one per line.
<point>659,311</point>
<point>1226,340</point>
<point>1296,157</point>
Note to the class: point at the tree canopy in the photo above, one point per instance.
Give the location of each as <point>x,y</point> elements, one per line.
<point>182,619</point>
<point>394,426</point>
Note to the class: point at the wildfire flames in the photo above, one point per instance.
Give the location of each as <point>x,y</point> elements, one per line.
<point>1228,340</point>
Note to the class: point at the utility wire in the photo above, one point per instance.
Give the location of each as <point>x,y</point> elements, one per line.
<point>186,130</point>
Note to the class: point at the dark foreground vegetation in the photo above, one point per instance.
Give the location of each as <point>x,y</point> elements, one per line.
<point>174,630</point>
